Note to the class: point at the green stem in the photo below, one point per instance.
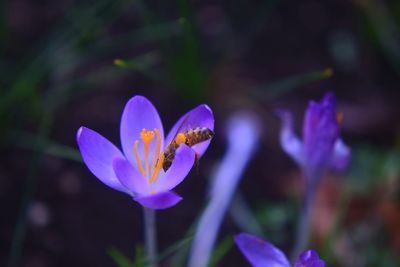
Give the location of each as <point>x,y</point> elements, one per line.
<point>303,228</point>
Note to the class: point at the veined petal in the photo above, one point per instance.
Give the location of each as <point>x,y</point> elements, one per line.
<point>159,201</point>
<point>312,116</point>
<point>260,253</point>
<point>139,113</point>
<point>130,177</point>
<point>181,166</point>
<point>201,116</point>
<point>290,143</point>
<point>329,99</point>
<point>341,156</point>
<point>309,258</point>
<point>320,132</point>
<point>98,153</point>
<point>319,115</point>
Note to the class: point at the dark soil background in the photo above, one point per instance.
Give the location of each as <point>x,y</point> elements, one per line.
<point>58,73</point>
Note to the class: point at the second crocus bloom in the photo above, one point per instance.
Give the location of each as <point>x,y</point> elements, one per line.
<point>138,169</point>
<point>321,147</point>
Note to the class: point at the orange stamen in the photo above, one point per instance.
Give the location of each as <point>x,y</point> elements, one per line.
<point>158,159</point>
<point>147,137</point>
<point>157,152</point>
<point>157,169</point>
<point>139,163</point>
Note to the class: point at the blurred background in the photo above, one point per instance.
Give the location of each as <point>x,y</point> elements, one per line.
<point>70,63</point>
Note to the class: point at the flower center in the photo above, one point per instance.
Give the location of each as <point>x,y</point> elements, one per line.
<point>151,172</point>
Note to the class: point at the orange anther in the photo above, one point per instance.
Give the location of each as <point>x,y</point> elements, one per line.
<point>157,169</point>
<point>157,152</point>
<point>139,163</point>
<point>147,137</point>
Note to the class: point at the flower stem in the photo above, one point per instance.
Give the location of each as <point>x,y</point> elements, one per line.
<point>303,227</point>
<point>150,236</point>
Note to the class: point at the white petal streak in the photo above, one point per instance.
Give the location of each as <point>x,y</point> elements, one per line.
<point>290,142</point>
<point>243,132</point>
<point>341,156</point>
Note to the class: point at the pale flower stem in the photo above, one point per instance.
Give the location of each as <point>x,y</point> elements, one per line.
<point>243,131</point>
<point>150,236</point>
<point>303,227</point>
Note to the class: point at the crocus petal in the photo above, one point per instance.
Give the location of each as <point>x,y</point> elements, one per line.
<point>98,154</point>
<point>159,201</point>
<point>320,116</point>
<point>329,99</point>
<point>309,258</point>
<point>130,177</point>
<point>341,156</point>
<point>320,132</point>
<point>181,166</point>
<point>260,253</point>
<point>201,116</point>
<point>290,143</point>
<point>139,113</point>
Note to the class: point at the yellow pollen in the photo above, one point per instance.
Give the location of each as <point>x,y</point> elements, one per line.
<point>147,137</point>
<point>157,152</point>
<point>339,118</point>
<point>137,158</point>
<point>180,138</point>
<point>157,169</point>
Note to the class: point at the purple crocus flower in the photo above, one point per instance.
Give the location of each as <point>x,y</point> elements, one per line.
<point>320,150</point>
<point>261,253</point>
<point>137,170</point>
<point>321,147</point>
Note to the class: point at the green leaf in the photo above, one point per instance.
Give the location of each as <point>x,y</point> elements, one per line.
<point>119,258</point>
<point>272,90</point>
<point>221,250</point>
<point>29,141</point>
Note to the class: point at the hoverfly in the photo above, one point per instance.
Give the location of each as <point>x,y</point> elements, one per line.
<point>190,138</point>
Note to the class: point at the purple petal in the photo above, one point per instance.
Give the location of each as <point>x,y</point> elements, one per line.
<point>130,177</point>
<point>181,166</point>
<point>329,99</point>
<point>320,132</point>
<point>260,253</point>
<point>341,156</point>
<point>309,258</point>
<point>201,116</point>
<point>139,113</point>
<point>290,143</point>
<point>98,154</point>
<point>159,201</point>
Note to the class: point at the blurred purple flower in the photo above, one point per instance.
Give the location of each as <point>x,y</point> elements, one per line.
<point>320,150</point>
<point>138,170</point>
<point>243,132</point>
<point>321,147</point>
<point>261,253</point>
